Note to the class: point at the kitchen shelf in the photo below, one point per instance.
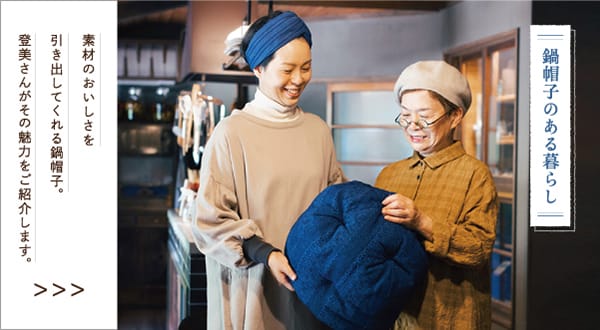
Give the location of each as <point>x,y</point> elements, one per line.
<point>239,77</point>
<point>146,162</point>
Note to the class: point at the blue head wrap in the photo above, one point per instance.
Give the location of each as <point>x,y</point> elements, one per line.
<point>275,34</point>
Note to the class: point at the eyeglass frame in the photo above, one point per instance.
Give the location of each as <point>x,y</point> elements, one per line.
<point>419,122</point>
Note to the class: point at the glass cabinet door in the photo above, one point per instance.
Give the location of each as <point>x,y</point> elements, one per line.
<point>501,119</point>
<point>472,123</point>
<point>361,116</point>
<point>488,133</point>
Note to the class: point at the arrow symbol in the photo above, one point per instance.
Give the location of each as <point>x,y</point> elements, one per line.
<point>78,287</point>
<point>41,287</point>
<point>58,286</point>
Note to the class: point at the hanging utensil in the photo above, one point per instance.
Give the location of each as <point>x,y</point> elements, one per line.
<point>198,108</point>
<point>199,111</point>
<point>186,123</point>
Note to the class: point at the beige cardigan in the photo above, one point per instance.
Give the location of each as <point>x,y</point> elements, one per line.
<point>257,177</point>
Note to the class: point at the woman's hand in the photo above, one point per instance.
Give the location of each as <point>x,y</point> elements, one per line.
<point>281,269</point>
<point>401,209</point>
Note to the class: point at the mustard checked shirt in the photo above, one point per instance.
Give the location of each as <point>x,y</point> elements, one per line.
<point>457,191</point>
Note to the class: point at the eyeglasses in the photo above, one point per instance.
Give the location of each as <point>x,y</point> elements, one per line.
<point>422,123</point>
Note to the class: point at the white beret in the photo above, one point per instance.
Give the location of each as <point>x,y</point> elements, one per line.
<point>437,76</point>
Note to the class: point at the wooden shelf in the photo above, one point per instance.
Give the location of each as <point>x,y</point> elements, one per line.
<point>504,184</point>
<point>504,196</point>
<point>506,98</point>
<point>502,313</point>
<point>503,252</point>
<point>506,139</point>
<point>239,77</point>
<point>136,81</point>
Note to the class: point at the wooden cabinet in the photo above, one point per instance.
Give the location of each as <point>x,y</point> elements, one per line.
<point>488,133</point>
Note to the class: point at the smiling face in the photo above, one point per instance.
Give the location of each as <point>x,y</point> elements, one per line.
<point>287,74</point>
<point>422,104</point>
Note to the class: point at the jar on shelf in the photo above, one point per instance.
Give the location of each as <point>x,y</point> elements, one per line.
<point>133,109</point>
<point>162,111</point>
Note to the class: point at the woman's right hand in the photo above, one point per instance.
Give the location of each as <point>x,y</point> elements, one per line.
<point>281,269</point>
<point>401,209</point>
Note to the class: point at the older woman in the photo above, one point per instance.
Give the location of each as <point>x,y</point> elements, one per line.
<point>261,169</point>
<point>445,195</point>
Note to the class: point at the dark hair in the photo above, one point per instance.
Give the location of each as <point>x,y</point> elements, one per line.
<point>252,30</point>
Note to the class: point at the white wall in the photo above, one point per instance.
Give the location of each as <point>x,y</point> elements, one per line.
<point>368,48</point>
<point>373,46</point>
<point>470,21</point>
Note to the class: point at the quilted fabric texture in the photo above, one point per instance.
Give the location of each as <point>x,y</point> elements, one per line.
<point>355,269</point>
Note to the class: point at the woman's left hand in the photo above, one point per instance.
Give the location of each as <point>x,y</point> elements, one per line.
<point>401,209</point>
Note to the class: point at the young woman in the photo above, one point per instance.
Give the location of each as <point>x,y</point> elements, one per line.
<point>261,168</point>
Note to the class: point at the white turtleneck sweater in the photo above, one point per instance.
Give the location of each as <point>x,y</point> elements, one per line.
<point>261,169</point>
<point>265,108</point>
